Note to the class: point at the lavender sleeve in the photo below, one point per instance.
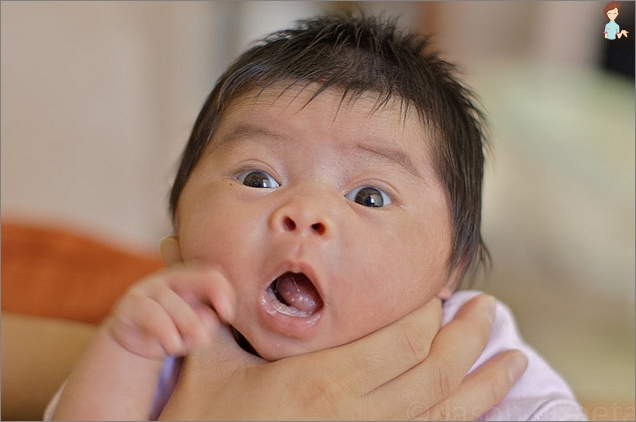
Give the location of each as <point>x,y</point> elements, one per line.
<point>541,394</point>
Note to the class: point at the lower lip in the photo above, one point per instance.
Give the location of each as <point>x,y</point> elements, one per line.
<point>293,326</point>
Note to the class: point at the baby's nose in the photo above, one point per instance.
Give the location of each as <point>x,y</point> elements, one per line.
<point>304,216</point>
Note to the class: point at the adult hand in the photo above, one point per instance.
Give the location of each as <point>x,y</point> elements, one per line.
<point>411,369</point>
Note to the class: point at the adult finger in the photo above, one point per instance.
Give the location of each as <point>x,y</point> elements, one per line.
<point>454,350</point>
<point>480,391</point>
<point>385,354</point>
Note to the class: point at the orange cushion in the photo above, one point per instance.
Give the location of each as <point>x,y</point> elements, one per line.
<point>58,272</point>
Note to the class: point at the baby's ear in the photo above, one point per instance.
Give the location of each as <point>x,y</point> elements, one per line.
<point>445,292</point>
<point>451,284</point>
<point>171,250</point>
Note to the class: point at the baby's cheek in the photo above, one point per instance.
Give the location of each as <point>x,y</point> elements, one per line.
<point>376,311</point>
<point>396,298</point>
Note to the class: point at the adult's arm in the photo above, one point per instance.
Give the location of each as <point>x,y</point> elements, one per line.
<point>38,354</point>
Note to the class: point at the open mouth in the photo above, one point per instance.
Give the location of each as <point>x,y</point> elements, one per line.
<point>294,294</point>
<point>288,312</point>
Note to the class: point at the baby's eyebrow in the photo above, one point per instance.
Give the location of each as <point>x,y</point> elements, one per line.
<point>394,155</point>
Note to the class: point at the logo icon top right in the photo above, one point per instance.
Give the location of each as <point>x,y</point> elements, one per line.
<point>612,30</point>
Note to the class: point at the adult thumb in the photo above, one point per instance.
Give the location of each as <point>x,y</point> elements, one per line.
<point>229,350</point>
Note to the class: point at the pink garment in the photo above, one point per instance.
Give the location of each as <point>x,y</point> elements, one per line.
<point>540,395</point>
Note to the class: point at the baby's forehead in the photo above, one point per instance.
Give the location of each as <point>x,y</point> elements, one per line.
<point>368,102</point>
<point>365,118</point>
<point>282,101</point>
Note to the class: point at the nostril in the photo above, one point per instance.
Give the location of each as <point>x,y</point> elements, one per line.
<point>289,224</point>
<point>319,228</point>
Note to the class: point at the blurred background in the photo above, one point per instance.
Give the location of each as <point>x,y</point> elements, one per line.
<point>98,99</point>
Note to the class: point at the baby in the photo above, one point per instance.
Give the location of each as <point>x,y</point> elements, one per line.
<point>331,186</point>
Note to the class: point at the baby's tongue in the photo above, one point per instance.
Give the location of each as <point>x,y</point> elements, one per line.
<point>297,291</point>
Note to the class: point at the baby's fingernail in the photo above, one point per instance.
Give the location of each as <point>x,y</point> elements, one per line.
<point>490,305</point>
<point>516,365</point>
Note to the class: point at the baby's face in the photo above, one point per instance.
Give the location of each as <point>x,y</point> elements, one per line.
<point>327,217</point>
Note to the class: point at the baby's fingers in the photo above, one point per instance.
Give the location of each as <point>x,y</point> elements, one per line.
<point>141,325</point>
<point>164,315</point>
<point>190,322</point>
<point>204,286</point>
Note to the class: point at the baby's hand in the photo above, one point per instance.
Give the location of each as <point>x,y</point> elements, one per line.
<point>172,311</point>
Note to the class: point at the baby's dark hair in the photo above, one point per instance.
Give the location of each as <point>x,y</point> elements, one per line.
<point>357,55</point>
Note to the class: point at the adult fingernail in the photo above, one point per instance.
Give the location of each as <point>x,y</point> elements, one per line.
<point>516,365</point>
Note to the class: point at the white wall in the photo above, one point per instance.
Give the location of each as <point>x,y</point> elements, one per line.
<point>472,32</point>
<point>98,99</point>
<point>91,111</point>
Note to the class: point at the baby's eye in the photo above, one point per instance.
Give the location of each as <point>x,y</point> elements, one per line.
<point>258,179</point>
<point>369,197</point>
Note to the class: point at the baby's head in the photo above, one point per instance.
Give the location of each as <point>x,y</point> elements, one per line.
<point>334,177</point>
